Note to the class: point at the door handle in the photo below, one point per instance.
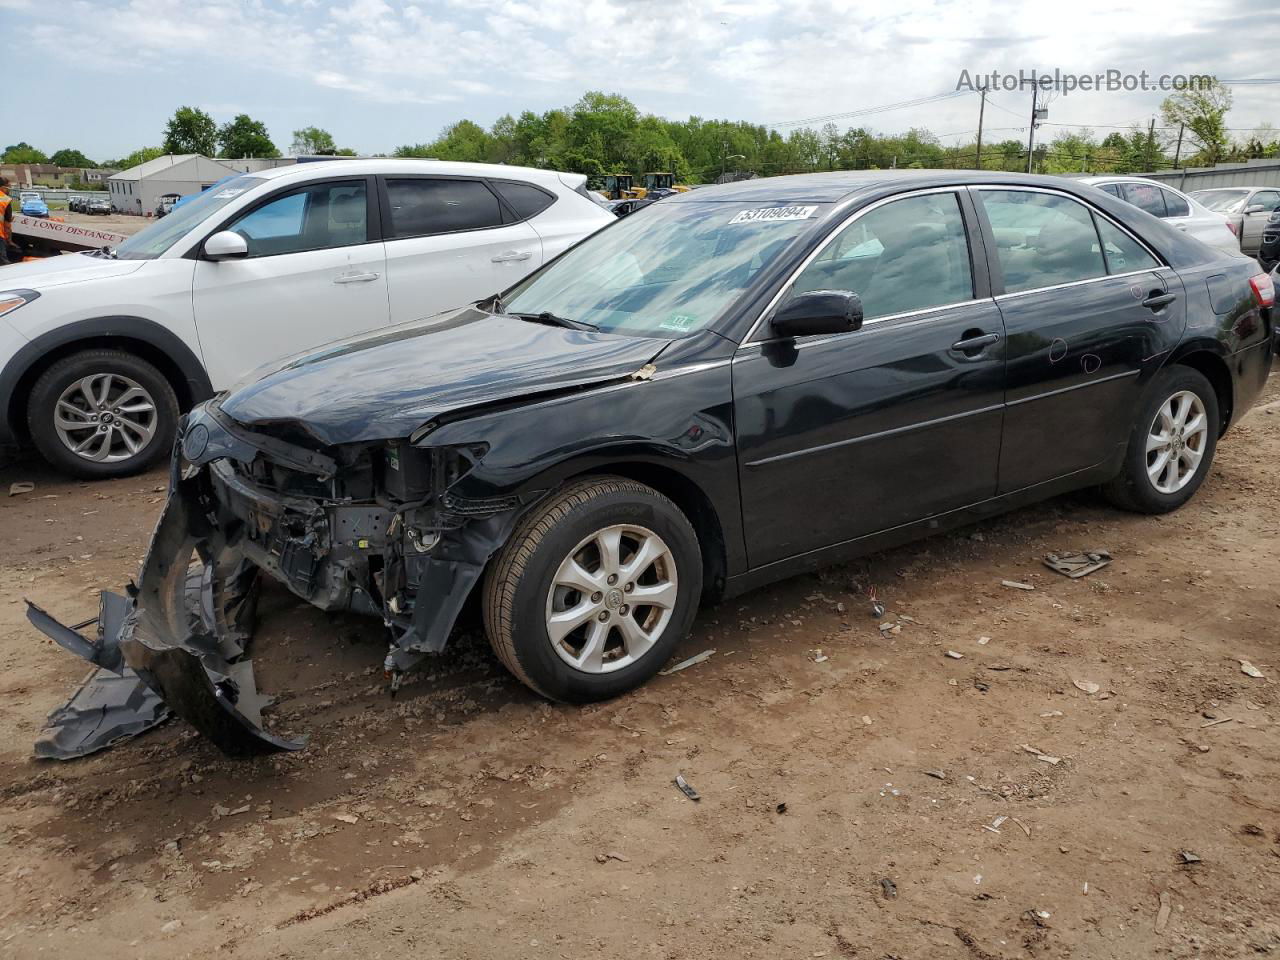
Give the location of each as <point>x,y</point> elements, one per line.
<point>975,343</point>
<point>511,256</point>
<point>1158,300</point>
<point>355,277</point>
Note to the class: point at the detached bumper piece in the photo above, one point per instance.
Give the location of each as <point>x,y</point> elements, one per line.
<point>175,643</point>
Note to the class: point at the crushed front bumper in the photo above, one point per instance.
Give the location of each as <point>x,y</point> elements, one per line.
<point>177,641</point>
<point>174,643</point>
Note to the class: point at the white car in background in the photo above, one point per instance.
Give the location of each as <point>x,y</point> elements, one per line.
<point>1173,206</point>
<point>100,351</point>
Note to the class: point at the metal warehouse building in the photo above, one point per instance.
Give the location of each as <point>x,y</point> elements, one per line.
<point>139,189</point>
<point>1251,173</point>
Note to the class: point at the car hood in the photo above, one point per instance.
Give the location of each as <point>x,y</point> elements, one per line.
<point>68,268</point>
<point>388,384</point>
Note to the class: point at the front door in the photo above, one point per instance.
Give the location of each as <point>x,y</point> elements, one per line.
<point>1256,215</point>
<point>843,436</point>
<point>1086,309</point>
<point>450,242</point>
<point>312,275</point>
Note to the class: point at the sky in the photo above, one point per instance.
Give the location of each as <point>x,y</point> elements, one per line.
<point>103,76</point>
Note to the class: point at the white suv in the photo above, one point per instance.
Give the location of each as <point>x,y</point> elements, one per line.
<point>1174,207</point>
<point>100,351</point>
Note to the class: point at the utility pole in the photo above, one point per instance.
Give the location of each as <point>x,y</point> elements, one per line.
<point>1177,154</point>
<point>982,109</point>
<point>1031,136</point>
<point>1151,146</point>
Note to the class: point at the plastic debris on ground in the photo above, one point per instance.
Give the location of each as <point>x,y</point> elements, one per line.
<point>691,662</point>
<point>1249,669</point>
<point>686,789</point>
<point>1016,585</point>
<point>1076,565</point>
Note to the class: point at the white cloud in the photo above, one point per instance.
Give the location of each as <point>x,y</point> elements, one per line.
<point>764,60</point>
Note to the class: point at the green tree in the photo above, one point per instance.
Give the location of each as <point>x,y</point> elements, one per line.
<point>245,137</point>
<point>71,158</point>
<point>313,141</point>
<point>139,156</point>
<point>23,152</point>
<point>191,130</point>
<point>1203,112</point>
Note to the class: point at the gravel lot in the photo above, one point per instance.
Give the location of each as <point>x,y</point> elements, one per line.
<point>469,819</point>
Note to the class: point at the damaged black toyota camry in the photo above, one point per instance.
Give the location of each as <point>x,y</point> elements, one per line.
<point>732,386</point>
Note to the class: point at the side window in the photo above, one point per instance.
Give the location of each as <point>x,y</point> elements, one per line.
<point>1111,188</point>
<point>1042,239</point>
<point>1174,205</point>
<point>1145,196</point>
<point>910,254</point>
<point>315,217</point>
<point>526,200</point>
<point>1124,254</point>
<point>1269,199</point>
<point>421,207</point>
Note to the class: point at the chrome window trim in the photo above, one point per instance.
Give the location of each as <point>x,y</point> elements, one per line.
<point>1088,206</point>
<point>1076,283</point>
<point>844,224</point>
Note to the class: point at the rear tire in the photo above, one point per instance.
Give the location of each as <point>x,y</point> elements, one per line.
<point>623,543</point>
<point>118,409</point>
<point>1167,460</point>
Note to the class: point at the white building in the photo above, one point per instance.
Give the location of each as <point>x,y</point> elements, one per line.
<point>139,189</point>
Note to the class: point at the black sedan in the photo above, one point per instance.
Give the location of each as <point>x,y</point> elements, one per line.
<point>747,382</point>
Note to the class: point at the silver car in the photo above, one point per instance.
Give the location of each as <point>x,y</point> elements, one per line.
<point>1247,210</point>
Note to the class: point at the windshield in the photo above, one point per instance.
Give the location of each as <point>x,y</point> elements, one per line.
<point>1220,201</point>
<point>151,242</point>
<point>669,270</point>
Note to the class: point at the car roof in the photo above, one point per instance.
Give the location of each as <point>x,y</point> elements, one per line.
<point>840,185</point>
<point>394,165</point>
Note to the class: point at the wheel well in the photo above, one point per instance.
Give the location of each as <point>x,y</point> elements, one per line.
<point>1215,370</point>
<point>139,348</point>
<point>694,504</point>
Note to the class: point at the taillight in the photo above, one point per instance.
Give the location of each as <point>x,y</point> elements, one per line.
<point>1235,231</point>
<point>1264,291</point>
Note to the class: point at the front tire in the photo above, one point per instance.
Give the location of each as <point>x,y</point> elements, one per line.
<point>594,590</point>
<point>102,413</point>
<point>1171,445</point>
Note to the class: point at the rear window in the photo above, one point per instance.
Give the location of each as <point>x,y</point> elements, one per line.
<point>421,207</point>
<point>526,200</point>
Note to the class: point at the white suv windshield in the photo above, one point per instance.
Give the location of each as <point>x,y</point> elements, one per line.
<point>151,242</point>
<point>669,270</point>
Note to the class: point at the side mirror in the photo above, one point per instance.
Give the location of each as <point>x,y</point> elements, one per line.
<point>226,245</point>
<point>1255,208</point>
<point>818,312</point>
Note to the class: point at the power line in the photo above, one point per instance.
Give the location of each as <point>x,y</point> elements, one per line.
<point>868,111</point>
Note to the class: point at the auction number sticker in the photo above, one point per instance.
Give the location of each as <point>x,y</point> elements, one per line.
<point>774,214</point>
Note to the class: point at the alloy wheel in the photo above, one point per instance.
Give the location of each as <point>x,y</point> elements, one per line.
<point>105,418</point>
<point>611,598</point>
<point>1176,442</point>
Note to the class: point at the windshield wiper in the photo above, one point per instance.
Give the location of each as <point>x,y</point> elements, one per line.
<point>553,320</point>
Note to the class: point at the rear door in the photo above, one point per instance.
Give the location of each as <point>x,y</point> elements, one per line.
<point>1087,309</point>
<point>315,273</point>
<point>846,435</point>
<point>450,241</point>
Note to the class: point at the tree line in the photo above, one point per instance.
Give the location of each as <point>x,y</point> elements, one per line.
<point>605,133</point>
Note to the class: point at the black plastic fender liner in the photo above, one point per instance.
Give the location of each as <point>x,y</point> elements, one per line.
<point>106,708</point>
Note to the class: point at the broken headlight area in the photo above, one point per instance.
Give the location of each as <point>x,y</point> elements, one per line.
<point>373,528</point>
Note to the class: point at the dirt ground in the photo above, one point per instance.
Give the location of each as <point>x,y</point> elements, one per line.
<point>864,793</point>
